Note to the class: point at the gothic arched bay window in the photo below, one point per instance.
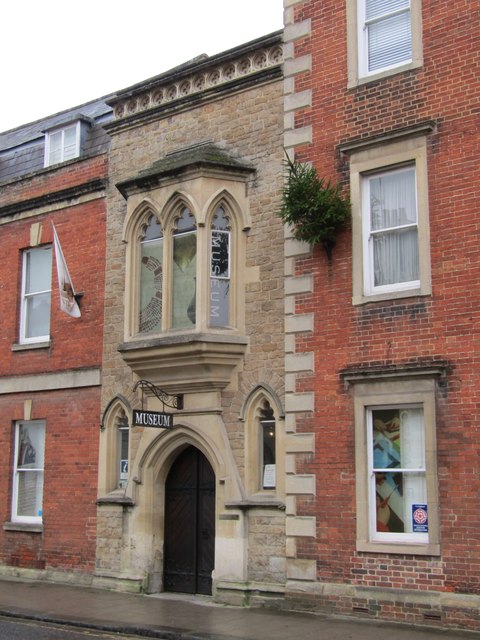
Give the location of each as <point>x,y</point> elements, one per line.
<point>185,231</point>
<point>185,270</point>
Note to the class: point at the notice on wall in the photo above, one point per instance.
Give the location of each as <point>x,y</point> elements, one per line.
<point>419,518</point>
<point>269,476</point>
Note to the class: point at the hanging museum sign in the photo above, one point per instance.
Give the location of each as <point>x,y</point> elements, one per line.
<point>158,419</point>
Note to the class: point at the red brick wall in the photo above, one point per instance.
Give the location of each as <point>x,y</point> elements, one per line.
<point>74,342</point>
<point>443,326</point>
<point>70,480</point>
<point>51,180</point>
<point>72,415</point>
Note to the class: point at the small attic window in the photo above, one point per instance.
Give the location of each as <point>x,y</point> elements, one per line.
<point>63,143</point>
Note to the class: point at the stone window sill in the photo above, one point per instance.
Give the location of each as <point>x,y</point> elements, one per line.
<point>33,345</point>
<point>256,503</point>
<point>28,527</point>
<point>116,497</point>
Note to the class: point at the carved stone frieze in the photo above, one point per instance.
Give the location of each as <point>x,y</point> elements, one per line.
<point>199,80</point>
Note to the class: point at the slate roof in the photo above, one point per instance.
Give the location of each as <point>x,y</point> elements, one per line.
<point>25,133</point>
<point>22,148</point>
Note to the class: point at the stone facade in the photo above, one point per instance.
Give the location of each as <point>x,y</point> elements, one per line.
<point>216,139</point>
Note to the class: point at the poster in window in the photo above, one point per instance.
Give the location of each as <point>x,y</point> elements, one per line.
<point>269,476</point>
<point>419,518</point>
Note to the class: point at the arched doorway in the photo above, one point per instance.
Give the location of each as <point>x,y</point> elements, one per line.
<point>189,540</point>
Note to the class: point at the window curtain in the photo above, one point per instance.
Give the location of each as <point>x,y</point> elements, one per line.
<point>30,463</point>
<point>394,228</point>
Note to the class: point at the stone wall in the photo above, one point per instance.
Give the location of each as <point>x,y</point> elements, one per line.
<point>244,120</point>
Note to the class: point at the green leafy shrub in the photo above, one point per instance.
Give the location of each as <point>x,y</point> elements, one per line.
<point>314,207</point>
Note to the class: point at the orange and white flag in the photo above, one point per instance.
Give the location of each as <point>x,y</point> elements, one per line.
<point>67,292</point>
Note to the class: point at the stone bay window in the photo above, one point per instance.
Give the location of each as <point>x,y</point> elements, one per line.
<point>185,233</point>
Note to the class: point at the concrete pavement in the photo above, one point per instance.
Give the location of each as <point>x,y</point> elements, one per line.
<point>179,617</point>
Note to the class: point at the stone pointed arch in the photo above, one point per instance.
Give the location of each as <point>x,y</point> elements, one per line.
<point>268,392</point>
<point>171,207</point>
<point>263,407</point>
<point>116,416</point>
<point>149,475</point>
<point>160,453</point>
<point>138,218</point>
<point>224,196</point>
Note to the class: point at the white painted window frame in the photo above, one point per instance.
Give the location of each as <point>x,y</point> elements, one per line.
<point>15,517</point>
<point>62,131</point>
<point>377,536</point>
<point>24,299</point>
<point>368,234</point>
<point>356,47</point>
<point>414,391</point>
<point>385,157</point>
<point>362,25</point>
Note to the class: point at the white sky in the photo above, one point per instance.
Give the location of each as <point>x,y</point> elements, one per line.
<point>57,54</point>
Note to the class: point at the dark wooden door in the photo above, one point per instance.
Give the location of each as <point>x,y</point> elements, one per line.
<point>189,542</point>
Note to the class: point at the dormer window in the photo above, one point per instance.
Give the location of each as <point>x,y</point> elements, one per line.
<point>62,144</point>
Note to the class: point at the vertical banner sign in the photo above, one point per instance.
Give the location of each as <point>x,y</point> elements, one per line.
<point>68,304</point>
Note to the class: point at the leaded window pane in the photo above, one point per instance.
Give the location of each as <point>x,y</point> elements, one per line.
<point>184,271</point>
<point>151,278</point>
<point>123,446</point>
<point>220,270</point>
